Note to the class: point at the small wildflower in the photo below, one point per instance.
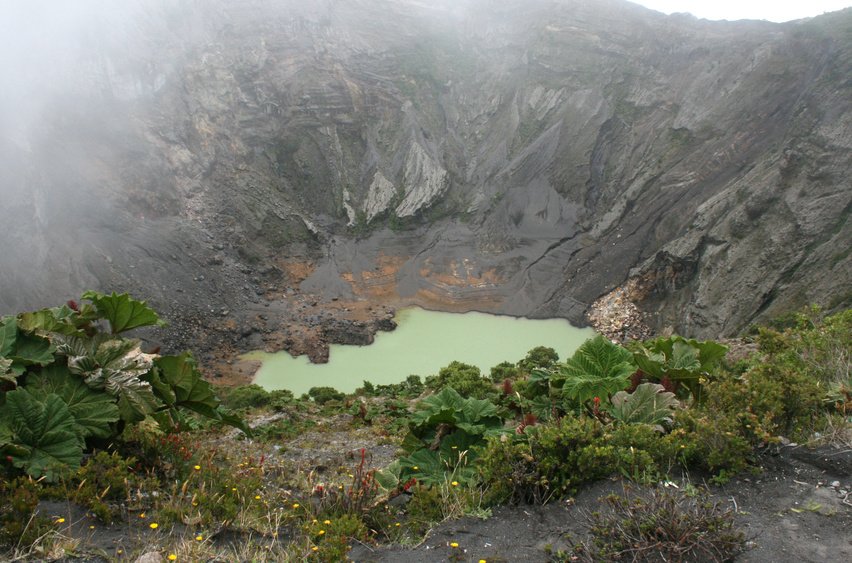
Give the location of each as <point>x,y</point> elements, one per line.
<point>199,537</point>
<point>483,561</point>
<point>397,524</point>
<point>326,522</point>
<point>314,521</point>
<point>60,520</point>
<point>172,557</point>
<point>415,468</point>
<point>153,525</point>
<point>256,497</point>
<point>314,548</point>
<point>455,483</point>
<point>321,532</point>
<point>454,544</point>
<point>91,527</point>
<point>295,505</point>
<point>197,468</point>
<point>119,551</point>
<point>142,515</point>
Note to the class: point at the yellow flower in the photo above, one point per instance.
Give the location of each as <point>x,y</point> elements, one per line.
<point>256,497</point>
<point>321,532</point>
<point>326,522</point>
<point>199,537</point>
<point>91,527</point>
<point>397,524</point>
<point>172,556</point>
<point>454,544</point>
<point>60,520</point>
<point>142,515</point>
<point>234,489</point>
<point>415,468</point>
<point>455,483</point>
<point>197,468</point>
<point>153,525</point>
<point>314,521</point>
<point>295,505</point>
<point>483,561</point>
<point>314,548</point>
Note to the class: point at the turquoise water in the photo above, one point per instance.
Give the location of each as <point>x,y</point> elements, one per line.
<point>424,342</point>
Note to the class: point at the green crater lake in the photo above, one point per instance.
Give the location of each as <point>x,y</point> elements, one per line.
<point>423,342</point>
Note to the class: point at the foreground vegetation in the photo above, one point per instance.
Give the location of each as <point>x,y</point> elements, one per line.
<point>132,441</point>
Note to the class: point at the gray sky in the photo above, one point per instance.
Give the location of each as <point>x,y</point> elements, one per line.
<point>772,10</point>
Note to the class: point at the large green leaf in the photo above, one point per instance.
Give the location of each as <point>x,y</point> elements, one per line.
<point>424,465</point>
<point>685,357</point>
<point>598,368</point>
<point>648,404</point>
<point>8,334</point>
<point>31,349</point>
<point>136,398</point>
<point>93,411</point>
<point>42,433</point>
<point>122,311</point>
<point>102,358</point>
<point>182,375</point>
<point>63,320</point>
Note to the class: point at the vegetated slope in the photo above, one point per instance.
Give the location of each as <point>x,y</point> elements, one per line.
<point>525,158</point>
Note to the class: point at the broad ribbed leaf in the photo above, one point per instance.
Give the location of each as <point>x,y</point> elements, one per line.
<point>101,359</point>
<point>648,404</point>
<point>32,350</point>
<point>598,368</point>
<point>8,333</point>
<point>122,311</point>
<point>475,410</point>
<point>425,466</point>
<point>43,433</point>
<point>439,408</point>
<point>135,397</point>
<point>685,357</point>
<point>182,375</point>
<point>93,411</point>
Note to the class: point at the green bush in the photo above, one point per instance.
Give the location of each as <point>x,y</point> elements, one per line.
<point>322,395</point>
<point>505,370</point>
<point>466,379</point>
<point>20,523</point>
<point>556,458</point>
<point>246,396</point>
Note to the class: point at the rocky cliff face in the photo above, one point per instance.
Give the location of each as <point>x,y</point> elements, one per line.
<point>520,157</point>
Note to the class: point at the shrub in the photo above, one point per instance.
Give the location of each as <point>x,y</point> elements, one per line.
<point>19,522</point>
<point>556,458</point>
<point>661,525</point>
<point>246,396</point>
<point>101,484</point>
<point>503,371</point>
<point>322,395</point>
<point>465,379</point>
<point>540,357</point>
